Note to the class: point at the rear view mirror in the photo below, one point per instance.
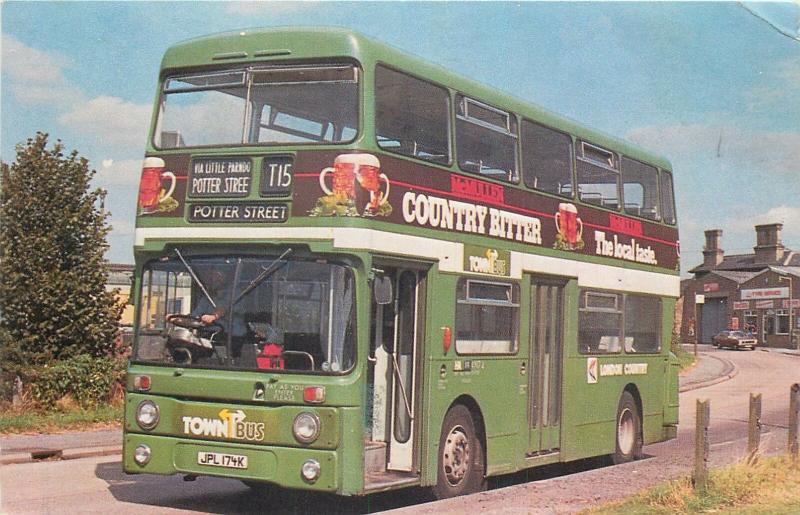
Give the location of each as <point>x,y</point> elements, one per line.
<point>382,289</point>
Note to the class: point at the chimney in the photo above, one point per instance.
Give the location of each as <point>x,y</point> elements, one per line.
<point>712,254</point>
<point>769,249</point>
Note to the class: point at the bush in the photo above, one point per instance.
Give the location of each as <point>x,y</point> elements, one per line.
<point>86,380</point>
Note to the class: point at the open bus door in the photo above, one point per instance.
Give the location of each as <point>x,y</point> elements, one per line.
<point>546,356</point>
<point>398,328</point>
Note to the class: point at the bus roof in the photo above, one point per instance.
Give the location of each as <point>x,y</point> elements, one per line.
<point>266,45</point>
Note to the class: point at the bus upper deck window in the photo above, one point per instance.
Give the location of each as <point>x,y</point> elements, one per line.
<point>546,159</point>
<point>598,176</point>
<point>640,189</point>
<point>486,140</point>
<point>667,197</point>
<point>411,116</point>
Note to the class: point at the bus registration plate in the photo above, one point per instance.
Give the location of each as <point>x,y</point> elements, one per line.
<point>216,459</point>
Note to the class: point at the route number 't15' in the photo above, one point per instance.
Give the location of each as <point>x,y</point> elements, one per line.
<point>276,176</point>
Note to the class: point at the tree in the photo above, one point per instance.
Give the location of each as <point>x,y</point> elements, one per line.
<point>53,298</point>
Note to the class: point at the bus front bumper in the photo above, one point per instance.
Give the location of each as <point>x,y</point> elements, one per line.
<point>281,466</point>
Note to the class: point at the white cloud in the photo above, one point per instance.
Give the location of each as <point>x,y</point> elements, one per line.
<point>789,216</point>
<point>34,76</point>
<point>37,77</point>
<point>740,228</point>
<point>781,84</point>
<point>773,153</point>
<point>111,119</point>
<point>119,173</point>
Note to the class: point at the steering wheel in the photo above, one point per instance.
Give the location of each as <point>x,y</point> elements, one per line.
<point>186,321</point>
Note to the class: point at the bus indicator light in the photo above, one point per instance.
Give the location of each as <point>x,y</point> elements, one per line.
<point>141,383</point>
<point>314,394</point>
<point>447,338</point>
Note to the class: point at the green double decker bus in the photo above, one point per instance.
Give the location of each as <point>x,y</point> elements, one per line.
<point>357,271</point>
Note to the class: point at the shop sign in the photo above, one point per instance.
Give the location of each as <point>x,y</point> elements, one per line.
<point>741,304</point>
<point>710,287</point>
<point>765,304</point>
<point>791,303</point>
<point>735,323</point>
<point>765,293</point>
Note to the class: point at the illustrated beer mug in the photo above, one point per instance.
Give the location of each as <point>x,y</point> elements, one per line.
<point>369,177</point>
<point>347,168</point>
<point>569,226</point>
<point>344,177</point>
<point>150,186</point>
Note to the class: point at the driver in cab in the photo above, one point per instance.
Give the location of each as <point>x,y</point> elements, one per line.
<point>219,284</point>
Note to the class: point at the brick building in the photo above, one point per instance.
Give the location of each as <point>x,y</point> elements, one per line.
<point>758,292</point>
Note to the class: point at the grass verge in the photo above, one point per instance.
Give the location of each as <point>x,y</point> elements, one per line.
<point>108,415</point>
<point>685,358</point>
<point>770,486</point>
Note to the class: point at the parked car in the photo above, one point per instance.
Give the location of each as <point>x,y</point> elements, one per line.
<point>735,340</point>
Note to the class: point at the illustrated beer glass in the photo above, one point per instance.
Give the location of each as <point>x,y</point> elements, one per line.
<point>344,177</point>
<point>568,224</point>
<point>150,185</point>
<point>347,168</point>
<point>369,177</point>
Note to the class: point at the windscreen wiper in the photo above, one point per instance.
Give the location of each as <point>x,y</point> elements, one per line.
<point>196,279</point>
<point>265,272</point>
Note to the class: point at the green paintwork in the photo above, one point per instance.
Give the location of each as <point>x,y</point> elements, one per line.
<point>321,43</point>
<point>497,386</point>
<point>280,466</point>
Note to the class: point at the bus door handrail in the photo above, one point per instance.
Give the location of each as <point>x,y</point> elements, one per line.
<point>402,386</point>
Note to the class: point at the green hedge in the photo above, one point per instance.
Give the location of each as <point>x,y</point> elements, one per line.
<point>89,381</point>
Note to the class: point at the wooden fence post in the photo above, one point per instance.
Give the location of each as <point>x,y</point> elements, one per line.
<point>794,400</point>
<point>700,476</point>
<point>754,428</point>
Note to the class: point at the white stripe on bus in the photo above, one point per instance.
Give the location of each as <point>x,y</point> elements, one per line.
<point>450,255</point>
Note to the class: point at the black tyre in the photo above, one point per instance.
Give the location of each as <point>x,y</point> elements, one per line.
<point>629,430</point>
<point>461,467</point>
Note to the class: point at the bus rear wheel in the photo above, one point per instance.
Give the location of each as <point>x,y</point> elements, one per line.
<point>461,457</point>
<point>629,430</point>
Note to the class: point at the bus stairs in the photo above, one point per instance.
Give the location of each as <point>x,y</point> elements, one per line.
<point>376,475</point>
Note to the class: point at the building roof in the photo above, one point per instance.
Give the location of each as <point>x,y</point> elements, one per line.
<point>789,270</point>
<point>747,262</point>
<point>735,276</point>
<point>119,267</point>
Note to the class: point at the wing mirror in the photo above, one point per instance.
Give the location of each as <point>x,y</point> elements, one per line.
<point>382,289</point>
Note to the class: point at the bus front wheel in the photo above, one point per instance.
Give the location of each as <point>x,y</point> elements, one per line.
<point>629,430</point>
<point>461,456</point>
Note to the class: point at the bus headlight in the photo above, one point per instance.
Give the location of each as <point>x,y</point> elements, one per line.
<point>141,455</point>
<point>306,427</point>
<point>147,415</point>
<point>310,470</point>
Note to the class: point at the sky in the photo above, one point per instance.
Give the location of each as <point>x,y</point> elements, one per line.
<point>714,87</point>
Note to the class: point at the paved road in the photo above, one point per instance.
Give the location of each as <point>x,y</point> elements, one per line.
<point>96,485</point>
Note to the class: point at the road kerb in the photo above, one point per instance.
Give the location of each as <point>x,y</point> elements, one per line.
<point>729,372</point>
<point>63,454</point>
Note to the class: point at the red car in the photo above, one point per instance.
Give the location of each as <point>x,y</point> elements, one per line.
<point>735,340</point>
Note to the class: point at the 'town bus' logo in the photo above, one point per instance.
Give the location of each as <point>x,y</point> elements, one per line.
<point>230,424</point>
